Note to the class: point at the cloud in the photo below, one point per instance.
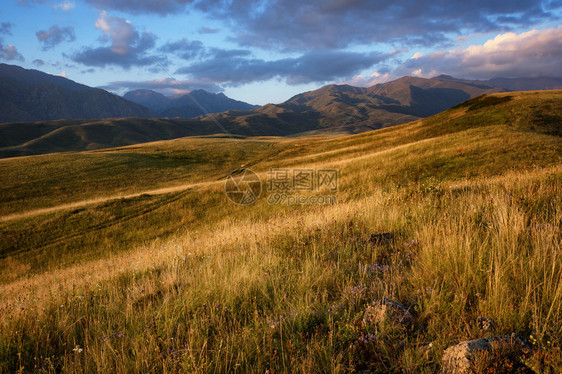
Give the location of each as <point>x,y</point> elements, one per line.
<point>184,48</point>
<point>10,53</point>
<point>161,7</point>
<point>29,2</point>
<point>54,36</point>
<point>65,6</point>
<point>374,78</point>
<point>6,28</point>
<point>295,25</point>
<point>127,46</point>
<point>208,30</point>
<point>166,86</point>
<point>236,67</point>
<point>38,62</point>
<point>528,54</point>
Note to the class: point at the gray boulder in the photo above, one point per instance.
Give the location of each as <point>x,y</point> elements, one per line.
<point>463,357</point>
<point>386,310</point>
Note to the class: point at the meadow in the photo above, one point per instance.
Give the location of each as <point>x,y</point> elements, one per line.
<point>132,259</point>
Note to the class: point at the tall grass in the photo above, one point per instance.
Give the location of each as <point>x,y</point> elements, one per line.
<point>288,294</point>
<point>473,217</point>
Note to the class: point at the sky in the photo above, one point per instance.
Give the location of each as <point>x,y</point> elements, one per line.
<point>266,51</point>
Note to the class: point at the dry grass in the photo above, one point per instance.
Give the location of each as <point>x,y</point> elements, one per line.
<point>475,217</point>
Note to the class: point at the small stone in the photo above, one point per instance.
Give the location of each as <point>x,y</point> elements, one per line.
<point>387,310</point>
<point>462,358</point>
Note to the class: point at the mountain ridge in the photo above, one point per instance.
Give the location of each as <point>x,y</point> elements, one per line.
<point>30,95</point>
<point>193,104</point>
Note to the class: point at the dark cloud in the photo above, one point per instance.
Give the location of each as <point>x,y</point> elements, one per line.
<point>6,28</point>
<point>128,47</point>
<point>9,53</point>
<point>29,2</point>
<point>296,24</point>
<point>55,35</point>
<point>166,86</point>
<point>529,54</point>
<point>318,66</point>
<point>38,62</point>
<point>184,48</point>
<point>143,6</point>
<point>208,30</point>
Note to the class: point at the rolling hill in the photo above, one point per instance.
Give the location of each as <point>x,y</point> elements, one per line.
<point>133,259</point>
<point>34,138</point>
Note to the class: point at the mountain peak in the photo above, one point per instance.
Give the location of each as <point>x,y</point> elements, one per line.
<point>31,95</point>
<point>31,76</point>
<point>187,105</point>
<point>446,77</point>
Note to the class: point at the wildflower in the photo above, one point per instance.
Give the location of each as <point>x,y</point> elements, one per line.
<point>77,349</point>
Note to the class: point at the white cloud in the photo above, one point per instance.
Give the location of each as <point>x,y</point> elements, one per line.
<point>65,6</point>
<point>119,30</point>
<point>532,53</point>
<point>10,53</point>
<point>362,81</point>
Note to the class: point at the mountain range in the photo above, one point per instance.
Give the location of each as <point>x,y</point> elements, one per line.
<point>194,104</point>
<point>46,113</point>
<point>348,109</point>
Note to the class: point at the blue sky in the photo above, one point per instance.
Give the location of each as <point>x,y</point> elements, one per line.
<point>263,51</point>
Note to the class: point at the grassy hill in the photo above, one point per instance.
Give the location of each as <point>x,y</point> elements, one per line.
<point>34,138</point>
<point>132,259</point>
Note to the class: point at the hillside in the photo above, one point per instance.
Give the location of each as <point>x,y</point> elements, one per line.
<point>193,104</point>
<point>133,259</point>
<point>30,95</point>
<point>34,138</point>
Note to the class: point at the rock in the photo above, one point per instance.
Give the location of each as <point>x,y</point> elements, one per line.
<point>464,357</point>
<point>387,310</point>
<point>486,324</point>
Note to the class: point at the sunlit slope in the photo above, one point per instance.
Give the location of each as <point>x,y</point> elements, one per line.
<point>152,261</point>
<point>121,197</point>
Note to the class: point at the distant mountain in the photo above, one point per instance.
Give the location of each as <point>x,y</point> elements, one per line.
<point>193,104</point>
<point>31,95</point>
<point>527,84</point>
<point>348,109</point>
<point>148,98</point>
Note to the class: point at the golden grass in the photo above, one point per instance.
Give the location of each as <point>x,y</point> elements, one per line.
<point>476,221</point>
